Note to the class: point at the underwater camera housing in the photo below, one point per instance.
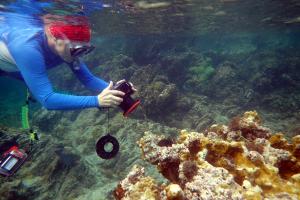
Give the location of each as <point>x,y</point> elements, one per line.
<point>11,161</point>
<point>129,104</point>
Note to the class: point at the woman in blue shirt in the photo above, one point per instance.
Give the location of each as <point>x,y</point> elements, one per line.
<point>29,47</point>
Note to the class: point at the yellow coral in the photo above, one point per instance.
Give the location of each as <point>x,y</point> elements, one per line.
<point>144,189</point>
<point>296,140</point>
<point>242,160</point>
<point>266,177</point>
<point>174,192</point>
<point>250,118</point>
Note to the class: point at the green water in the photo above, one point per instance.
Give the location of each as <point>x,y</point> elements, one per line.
<point>12,98</point>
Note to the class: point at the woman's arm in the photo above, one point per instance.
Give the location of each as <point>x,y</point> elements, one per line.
<point>32,67</point>
<point>87,78</point>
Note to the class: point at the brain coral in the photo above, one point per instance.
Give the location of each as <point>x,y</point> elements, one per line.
<point>243,160</point>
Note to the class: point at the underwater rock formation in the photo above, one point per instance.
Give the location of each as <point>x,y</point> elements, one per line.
<point>243,160</point>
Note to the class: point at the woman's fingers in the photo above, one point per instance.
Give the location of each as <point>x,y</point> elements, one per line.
<point>121,81</point>
<point>133,88</point>
<point>111,103</point>
<point>110,97</point>
<point>112,100</point>
<point>117,93</point>
<point>116,99</point>
<point>110,86</point>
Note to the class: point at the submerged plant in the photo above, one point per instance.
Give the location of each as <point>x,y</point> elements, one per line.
<point>199,73</point>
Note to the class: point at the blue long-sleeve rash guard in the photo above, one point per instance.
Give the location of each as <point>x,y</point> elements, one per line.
<point>32,56</point>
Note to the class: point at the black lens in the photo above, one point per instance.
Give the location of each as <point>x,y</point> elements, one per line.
<point>102,151</point>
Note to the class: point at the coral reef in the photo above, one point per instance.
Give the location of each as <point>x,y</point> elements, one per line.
<point>243,160</point>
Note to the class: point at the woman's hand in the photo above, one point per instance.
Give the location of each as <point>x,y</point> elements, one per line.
<point>110,97</point>
<point>123,80</point>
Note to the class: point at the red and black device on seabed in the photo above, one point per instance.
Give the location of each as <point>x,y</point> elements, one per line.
<point>11,160</point>
<point>13,156</point>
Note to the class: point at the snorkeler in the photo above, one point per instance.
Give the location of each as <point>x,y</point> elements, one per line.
<point>31,42</point>
<point>29,47</point>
